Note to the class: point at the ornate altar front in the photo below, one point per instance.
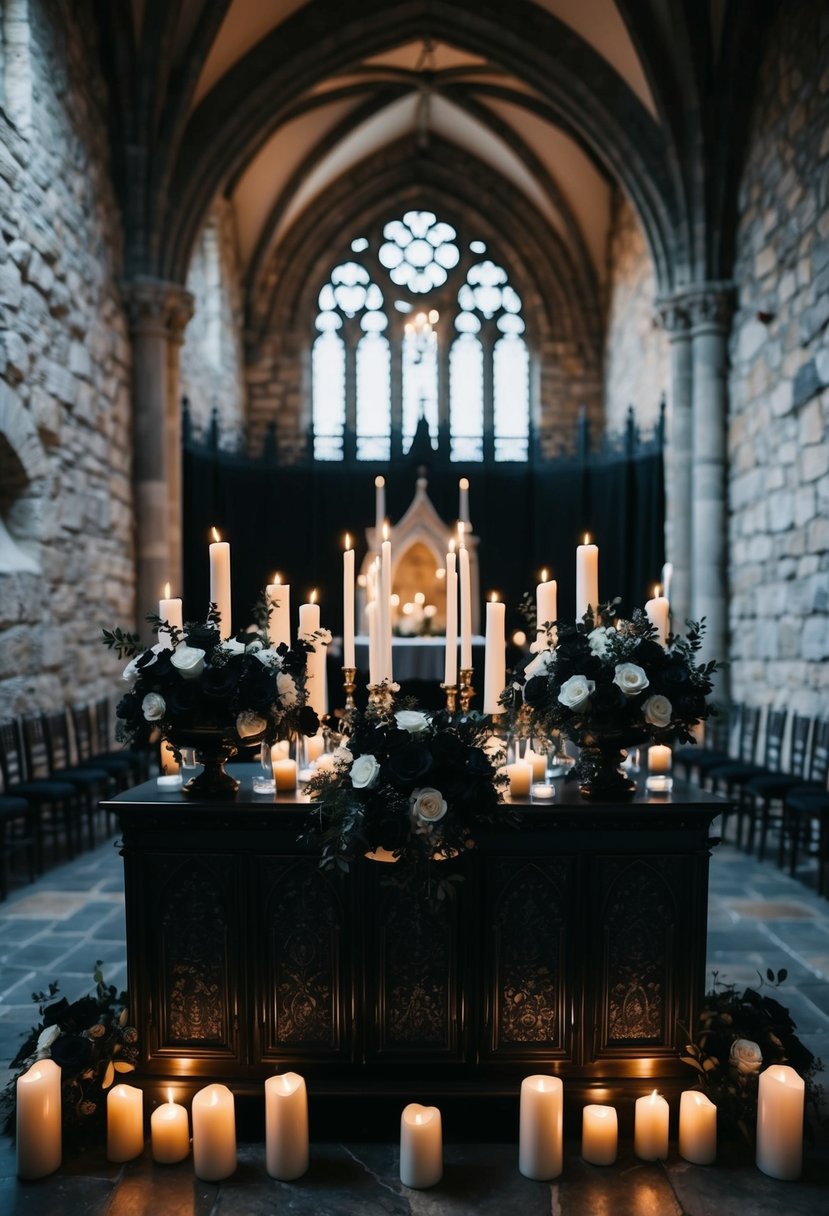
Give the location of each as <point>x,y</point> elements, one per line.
<point>576,945</point>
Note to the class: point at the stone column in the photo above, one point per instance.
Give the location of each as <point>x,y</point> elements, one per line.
<point>678,458</point>
<point>709,308</point>
<point>158,313</point>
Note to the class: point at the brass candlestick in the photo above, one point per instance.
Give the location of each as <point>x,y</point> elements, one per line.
<point>349,678</point>
<point>467,691</point>
<point>451,691</point>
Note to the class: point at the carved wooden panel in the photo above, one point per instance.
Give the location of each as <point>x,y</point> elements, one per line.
<point>303,927</point>
<point>638,933</point>
<point>413,1001</point>
<point>193,980</point>
<point>526,971</point>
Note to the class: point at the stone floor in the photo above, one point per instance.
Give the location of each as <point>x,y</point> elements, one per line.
<point>758,918</point>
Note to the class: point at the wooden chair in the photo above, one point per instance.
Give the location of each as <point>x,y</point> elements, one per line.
<point>92,783</point>
<point>724,776</point>
<point>120,767</point>
<point>765,793</point>
<point>17,835</point>
<point>692,761</point>
<point>738,782</point>
<point>807,802</point>
<point>54,802</point>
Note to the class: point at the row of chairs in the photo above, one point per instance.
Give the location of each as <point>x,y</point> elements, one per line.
<point>54,770</point>
<point>777,781</point>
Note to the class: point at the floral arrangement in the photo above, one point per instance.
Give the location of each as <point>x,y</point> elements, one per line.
<point>738,1035</point>
<point>409,784</point>
<point>610,678</point>
<point>192,680</point>
<point>90,1040</point>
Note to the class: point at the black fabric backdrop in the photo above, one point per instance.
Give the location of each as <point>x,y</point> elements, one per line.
<point>293,520</point>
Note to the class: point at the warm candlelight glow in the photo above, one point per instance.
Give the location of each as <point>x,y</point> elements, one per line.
<point>169,1095</point>
<point>452,544</point>
<point>277,579</point>
<point>657,590</point>
<point>385,529</point>
<point>166,591</point>
<point>493,599</point>
<point>545,575</point>
<point>216,536</point>
<point>379,482</point>
<point>464,483</point>
<point>348,540</point>
<point>586,538</point>
<point>312,598</point>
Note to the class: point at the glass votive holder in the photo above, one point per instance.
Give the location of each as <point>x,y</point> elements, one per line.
<point>542,791</point>
<point>263,780</point>
<point>659,783</point>
<point>188,757</point>
<point>169,781</point>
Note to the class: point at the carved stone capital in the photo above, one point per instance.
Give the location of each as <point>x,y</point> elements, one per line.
<point>674,317</point>
<point>710,306</point>
<point>156,306</point>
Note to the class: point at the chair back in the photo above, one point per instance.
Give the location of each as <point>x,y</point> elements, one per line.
<point>57,740</point>
<point>775,729</point>
<point>36,748</point>
<point>819,768</point>
<point>800,755</point>
<point>103,738</point>
<point>749,732</point>
<point>11,754</point>
<point>82,726</point>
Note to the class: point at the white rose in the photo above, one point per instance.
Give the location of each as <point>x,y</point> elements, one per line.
<point>631,678</point>
<point>540,665</point>
<point>249,724</point>
<point>47,1038</point>
<point>342,757</point>
<point>286,687</point>
<point>153,707</point>
<point>598,640</point>
<point>188,661</point>
<point>576,692</point>
<point>364,772</point>
<point>658,711</point>
<point>254,647</point>
<point>412,720</point>
<point>232,646</point>
<point>427,804</point>
<point>132,670</point>
<point>267,656</point>
<point>746,1056</point>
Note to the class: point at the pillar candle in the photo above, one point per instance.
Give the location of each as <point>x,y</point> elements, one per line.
<point>279,622</point>
<point>780,1102</point>
<point>466,609</point>
<point>421,1146</point>
<point>220,582</point>
<point>520,778</point>
<point>385,608</point>
<point>540,1128</point>
<point>546,602</point>
<point>495,657</point>
<point>169,610</point>
<point>373,644</point>
<point>379,508</point>
<point>170,1132</point>
<point>697,1128</point>
<point>657,611</point>
<point>650,1131</point>
<point>537,762</point>
<point>309,624</point>
<point>463,500</point>
<point>314,747</point>
<point>599,1135</point>
<point>450,669</point>
<point>38,1120</point>
<point>125,1123</point>
<point>284,772</point>
<point>348,605</point>
<point>587,578</point>
<point>214,1133</point>
<point>659,758</point>
<point>169,764</point>
<point>286,1126</point>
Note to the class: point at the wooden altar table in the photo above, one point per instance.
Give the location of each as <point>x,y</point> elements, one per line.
<point>576,946</point>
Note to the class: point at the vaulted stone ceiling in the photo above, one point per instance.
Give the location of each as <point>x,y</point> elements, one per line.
<point>275,102</point>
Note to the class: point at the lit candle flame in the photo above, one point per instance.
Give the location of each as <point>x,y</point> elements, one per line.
<point>166,591</point>
<point>586,538</point>
<point>493,599</point>
<point>385,529</point>
<point>277,578</point>
<point>654,1096</point>
<point>379,482</point>
<point>451,544</point>
<point>348,540</point>
<point>657,590</point>
<point>216,536</point>
<point>544,575</point>
<point>312,599</point>
<point>169,1095</point>
<point>464,483</point>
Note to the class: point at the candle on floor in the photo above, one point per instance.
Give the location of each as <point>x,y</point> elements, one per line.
<point>587,578</point>
<point>520,779</point>
<point>657,611</point>
<point>285,772</point>
<point>421,1146</point>
<point>495,656</point>
<point>540,1127</point>
<point>170,1132</point>
<point>780,1103</point>
<point>697,1128</point>
<point>546,604</point>
<point>600,1134</point>
<point>466,608</point>
<point>125,1123</point>
<point>169,610</point>
<point>219,553</point>
<point>349,658</point>
<point>279,620</point>
<point>450,667</point>
<point>286,1126</point>
<point>39,1139</point>
<point>650,1131</point>
<point>214,1133</point>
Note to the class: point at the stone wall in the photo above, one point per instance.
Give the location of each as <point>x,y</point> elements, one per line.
<point>212,358</point>
<point>636,354</point>
<point>778,436</point>
<point>66,561</point>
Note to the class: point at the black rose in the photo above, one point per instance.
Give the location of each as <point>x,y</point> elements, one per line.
<point>72,1052</point>
<point>538,693</point>
<point>53,1015</point>
<point>203,637</point>
<point>128,708</point>
<point>478,763</point>
<point>391,829</point>
<point>448,751</point>
<point>81,1014</point>
<point>608,698</point>
<point>257,689</point>
<point>647,652</point>
<point>395,737</point>
<point>409,765</point>
<point>183,698</point>
<point>145,660</point>
<point>675,673</point>
<point>572,644</point>
<point>308,721</point>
